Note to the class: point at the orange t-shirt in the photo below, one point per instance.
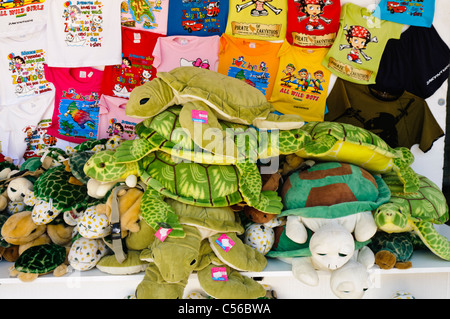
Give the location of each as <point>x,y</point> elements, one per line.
<point>253,61</point>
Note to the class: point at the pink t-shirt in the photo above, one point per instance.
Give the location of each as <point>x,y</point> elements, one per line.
<point>175,51</point>
<point>112,119</point>
<point>75,116</point>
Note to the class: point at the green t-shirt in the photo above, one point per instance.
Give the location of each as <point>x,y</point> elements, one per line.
<point>356,52</point>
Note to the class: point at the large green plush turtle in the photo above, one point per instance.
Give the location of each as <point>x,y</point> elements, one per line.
<point>40,260</point>
<point>206,96</point>
<point>192,183</point>
<point>211,241</point>
<point>333,141</point>
<point>416,212</point>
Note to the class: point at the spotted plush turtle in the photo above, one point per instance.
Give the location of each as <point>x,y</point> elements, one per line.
<point>192,183</point>
<point>416,212</point>
<point>206,96</point>
<point>333,141</point>
<point>393,249</point>
<point>40,260</point>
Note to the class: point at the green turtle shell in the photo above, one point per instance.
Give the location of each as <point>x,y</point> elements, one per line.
<point>40,259</point>
<point>399,244</point>
<point>76,164</point>
<point>332,190</point>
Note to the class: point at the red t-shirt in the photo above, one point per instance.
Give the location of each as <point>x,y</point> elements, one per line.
<point>137,63</point>
<point>313,23</point>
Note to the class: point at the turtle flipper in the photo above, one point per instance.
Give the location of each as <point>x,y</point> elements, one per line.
<point>133,150</point>
<point>320,146</point>
<point>406,174</point>
<point>156,212</point>
<point>269,202</point>
<point>436,242</point>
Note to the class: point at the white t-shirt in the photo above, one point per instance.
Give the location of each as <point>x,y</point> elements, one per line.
<point>84,33</point>
<point>22,61</point>
<point>17,18</point>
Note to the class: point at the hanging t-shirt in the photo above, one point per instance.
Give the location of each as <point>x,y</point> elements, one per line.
<point>84,33</point>
<point>418,62</point>
<point>112,118</point>
<point>175,51</point>
<point>301,84</point>
<point>22,61</point>
<point>253,61</point>
<point>313,23</point>
<point>145,15</point>
<point>412,12</point>
<point>197,18</point>
<point>356,53</point>
<point>75,116</point>
<point>258,20</point>
<point>137,63</point>
<point>401,119</point>
<point>17,122</point>
<point>17,17</point>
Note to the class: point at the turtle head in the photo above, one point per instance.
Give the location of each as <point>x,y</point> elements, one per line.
<point>149,99</point>
<point>391,218</point>
<point>103,167</point>
<point>292,141</point>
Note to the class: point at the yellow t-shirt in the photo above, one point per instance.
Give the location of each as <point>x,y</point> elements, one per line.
<point>258,19</point>
<point>301,85</point>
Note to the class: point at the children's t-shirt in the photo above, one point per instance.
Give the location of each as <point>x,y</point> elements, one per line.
<point>259,20</point>
<point>313,23</point>
<point>412,12</point>
<point>137,63</point>
<point>145,15</point>
<point>83,33</point>
<point>356,53</point>
<point>197,18</point>
<point>18,17</point>
<point>112,118</point>
<point>22,61</point>
<point>403,119</point>
<point>75,116</point>
<point>175,51</point>
<point>18,120</point>
<point>253,61</point>
<point>301,84</point>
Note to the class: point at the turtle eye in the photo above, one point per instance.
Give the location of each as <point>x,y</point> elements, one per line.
<point>144,101</point>
<point>102,165</point>
<point>193,262</point>
<point>296,135</point>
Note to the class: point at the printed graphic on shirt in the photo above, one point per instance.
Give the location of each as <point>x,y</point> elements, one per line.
<point>141,13</point>
<point>19,8</point>
<point>414,8</point>
<point>200,16</point>
<point>300,83</point>
<point>78,114</point>
<point>83,23</point>
<point>37,139</point>
<point>256,75</point>
<point>199,63</point>
<point>27,72</point>
<point>122,128</point>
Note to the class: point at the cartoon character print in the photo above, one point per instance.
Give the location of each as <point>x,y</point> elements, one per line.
<point>256,75</point>
<point>115,128</point>
<point>357,37</point>
<point>303,79</point>
<point>313,10</point>
<point>199,63</point>
<point>259,10</point>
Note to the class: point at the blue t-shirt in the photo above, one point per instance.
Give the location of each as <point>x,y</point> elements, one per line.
<point>412,12</point>
<point>197,18</point>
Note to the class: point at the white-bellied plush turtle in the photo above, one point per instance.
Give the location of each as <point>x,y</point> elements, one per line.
<point>206,96</point>
<point>332,141</point>
<point>192,183</point>
<point>40,260</point>
<point>416,212</point>
<point>393,249</point>
<point>211,241</point>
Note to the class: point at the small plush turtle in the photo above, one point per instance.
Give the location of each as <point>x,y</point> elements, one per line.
<point>40,260</point>
<point>393,250</point>
<point>333,141</point>
<point>416,212</point>
<point>192,183</point>
<point>211,241</point>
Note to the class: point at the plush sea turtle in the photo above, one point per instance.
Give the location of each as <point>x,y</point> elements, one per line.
<point>393,249</point>
<point>416,212</point>
<point>191,183</point>
<point>40,260</point>
<point>211,241</point>
<point>341,142</point>
<point>206,96</point>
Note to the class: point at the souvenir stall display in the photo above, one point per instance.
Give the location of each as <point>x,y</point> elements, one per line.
<point>160,139</point>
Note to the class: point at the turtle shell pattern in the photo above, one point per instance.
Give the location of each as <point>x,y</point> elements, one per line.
<point>40,259</point>
<point>399,244</point>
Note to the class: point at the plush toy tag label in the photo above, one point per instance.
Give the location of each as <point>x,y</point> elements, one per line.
<point>163,233</point>
<point>200,116</point>
<point>219,274</point>
<point>225,242</point>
